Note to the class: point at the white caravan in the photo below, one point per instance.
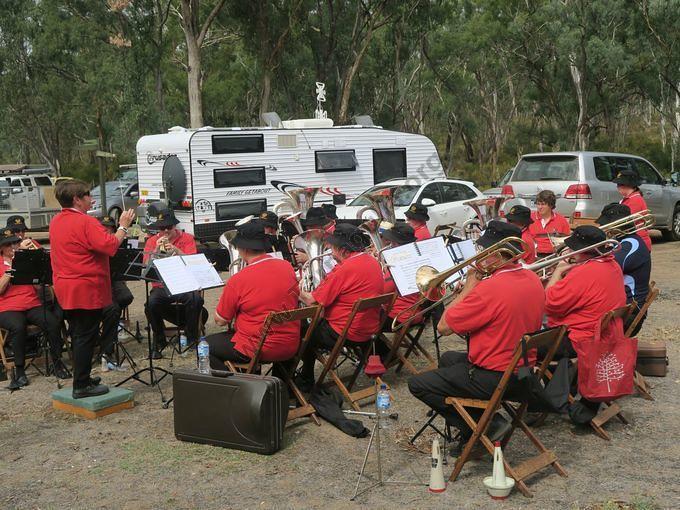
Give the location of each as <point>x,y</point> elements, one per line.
<point>228,172</point>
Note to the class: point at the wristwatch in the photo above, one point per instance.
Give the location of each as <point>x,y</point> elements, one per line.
<point>123,229</point>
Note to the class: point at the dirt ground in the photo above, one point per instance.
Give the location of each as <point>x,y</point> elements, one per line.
<point>131,460</point>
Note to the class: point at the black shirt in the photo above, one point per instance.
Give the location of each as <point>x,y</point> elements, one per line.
<point>636,264</point>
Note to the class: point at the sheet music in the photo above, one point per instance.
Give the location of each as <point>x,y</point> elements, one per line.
<point>404,261</point>
<point>133,243</point>
<point>462,251</point>
<point>203,271</point>
<point>175,275</point>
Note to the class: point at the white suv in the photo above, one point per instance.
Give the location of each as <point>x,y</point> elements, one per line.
<point>443,197</point>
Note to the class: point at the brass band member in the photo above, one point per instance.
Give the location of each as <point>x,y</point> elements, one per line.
<point>171,241</point>
<point>357,275</point>
<point>80,249</point>
<point>121,299</point>
<point>628,186</point>
<point>265,285</point>
<point>547,223</point>
<point>17,225</point>
<point>20,306</point>
<point>417,217</point>
<point>495,312</point>
<point>271,229</point>
<point>633,258</point>
<point>520,216</point>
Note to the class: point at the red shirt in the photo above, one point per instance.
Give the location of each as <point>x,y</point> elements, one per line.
<point>496,314</point>
<point>265,285</point>
<point>421,232</point>
<point>636,204</point>
<point>17,298</point>
<point>185,242</point>
<point>402,302</point>
<point>530,254</point>
<point>557,224</point>
<point>80,252</point>
<point>357,277</point>
<point>584,295</point>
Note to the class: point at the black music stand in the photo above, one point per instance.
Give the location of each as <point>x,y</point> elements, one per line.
<point>119,264</point>
<point>140,271</point>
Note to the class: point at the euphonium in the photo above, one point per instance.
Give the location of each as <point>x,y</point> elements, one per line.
<point>312,269</point>
<point>473,227</point>
<point>236,262</point>
<point>382,203</point>
<point>294,207</point>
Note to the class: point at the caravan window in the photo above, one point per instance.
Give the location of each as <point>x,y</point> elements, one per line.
<point>237,144</point>
<point>335,161</point>
<point>388,164</point>
<point>238,210</point>
<point>41,180</point>
<point>232,178</point>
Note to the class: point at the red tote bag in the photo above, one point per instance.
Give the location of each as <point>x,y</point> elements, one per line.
<point>606,366</point>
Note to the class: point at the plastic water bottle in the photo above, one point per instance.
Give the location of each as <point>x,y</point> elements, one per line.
<point>383,404</point>
<point>183,345</point>
<point>203,357</point>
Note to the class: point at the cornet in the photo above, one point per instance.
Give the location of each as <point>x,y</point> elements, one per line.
<point>432,283</point>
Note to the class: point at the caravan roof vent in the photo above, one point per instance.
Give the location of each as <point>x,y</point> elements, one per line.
<point>271,119</point>
<point>363,120</point>
<point>176,129</point>
<point>307,123</point>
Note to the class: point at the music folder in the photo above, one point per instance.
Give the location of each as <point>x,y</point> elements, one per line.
<point>187,273</point>
<point>403,261</point>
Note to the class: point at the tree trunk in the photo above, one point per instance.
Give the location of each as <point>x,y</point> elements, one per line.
<point>581,125</point>
<point>194,84</point>
<point>266,90</point>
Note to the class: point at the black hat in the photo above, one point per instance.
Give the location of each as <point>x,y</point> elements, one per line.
<point>520,214</point>
<point>613,212</point>
<point>628,178</point>
<point>270,219</point>
<point>165,218</point>
<point>108,221</point>
<point>401,233</point>
<point>584,236</point>
<point>496,231</point>
<point>346,236</point>
<point>16,223</point>
<point>316,217</point>
<point>417,212</point>
<point>8,237</point>
<point>250,235</point>
<point>330,209</point>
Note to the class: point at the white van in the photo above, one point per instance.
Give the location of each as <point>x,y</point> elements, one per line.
<point>228,172</point>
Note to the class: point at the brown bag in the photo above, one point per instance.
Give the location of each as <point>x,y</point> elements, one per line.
<point>652,359</point>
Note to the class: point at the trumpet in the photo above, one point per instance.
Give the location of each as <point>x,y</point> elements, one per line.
<point>31,245</point>
<point>548,264</point>
<point>432,284</point>
<point>629,225</point>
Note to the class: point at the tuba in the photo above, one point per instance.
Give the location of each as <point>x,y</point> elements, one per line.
<point>382,205</point>
<point>236,263</point>
<point>473,227</point>
<point>294,207</point>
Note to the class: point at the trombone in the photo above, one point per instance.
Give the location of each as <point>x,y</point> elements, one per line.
<point>629,225</point>
<point>432,283</point>
<point>548,264</point>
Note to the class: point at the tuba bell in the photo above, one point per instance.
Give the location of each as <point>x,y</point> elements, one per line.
<point>312,270</point>
<point>381,204</point>
<point>472,228</point>
<point>294,207</point>
<point>236,263</point>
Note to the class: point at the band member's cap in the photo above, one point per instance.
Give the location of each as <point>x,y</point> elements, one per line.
<point>584,236</point>
<point>628,178</point>
<point>330,209</point>
<point>16,223</point>
<point>346,236</point>
<point>8,237</point>
<point>496,231</point>
<point>316,217</point>
<point>401,233</point>
<point>613,212</point>
<point>251,236</point>
<point>269,219</point>
<point>165,218</point>
<point>417,212</point>
<point>108,221</point>
<point>520,214</point>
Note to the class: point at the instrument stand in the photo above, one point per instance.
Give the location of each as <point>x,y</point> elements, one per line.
<point>118,347</point>
<point>375,438</point>
<point>154,379</point>
<point>445,434</point>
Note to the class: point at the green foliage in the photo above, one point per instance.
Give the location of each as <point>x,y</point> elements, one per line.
<point>487,80</point>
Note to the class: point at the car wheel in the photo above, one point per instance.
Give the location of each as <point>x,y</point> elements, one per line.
<point>673,233</point>
<point>114,213</point>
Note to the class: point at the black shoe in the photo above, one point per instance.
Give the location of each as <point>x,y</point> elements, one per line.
<point>60,370</point>
<point>459,445</point>
<point>156,354</point>
<point>90,391</point>
<point>498,428</point>
<point>94,381</point>
<point>18,382</point>
<point>303,384</point>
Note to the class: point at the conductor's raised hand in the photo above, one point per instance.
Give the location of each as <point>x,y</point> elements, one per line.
<point>126,218</point>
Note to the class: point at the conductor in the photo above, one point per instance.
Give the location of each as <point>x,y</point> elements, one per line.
<point>80,251</point>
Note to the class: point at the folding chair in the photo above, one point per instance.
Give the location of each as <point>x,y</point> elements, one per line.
<point>32,331</point>
<point>405,342</point>
<point>549,339</point>
<point>639,380</point>
<point>310,313</point>
<point>329,362</point>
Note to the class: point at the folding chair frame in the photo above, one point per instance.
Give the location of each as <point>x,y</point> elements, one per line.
<point>547,338</point>
<point>407,336</point>
<point>639,380</point>
<point>31,330</point>
<point>329,362</point>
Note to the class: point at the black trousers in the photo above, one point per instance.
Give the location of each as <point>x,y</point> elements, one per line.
<point>159,308</point>
<point>122,298</point>
<point>223,349</point>
<point>457,377</point>
<point>15,323</point>
<point>84,325</point>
